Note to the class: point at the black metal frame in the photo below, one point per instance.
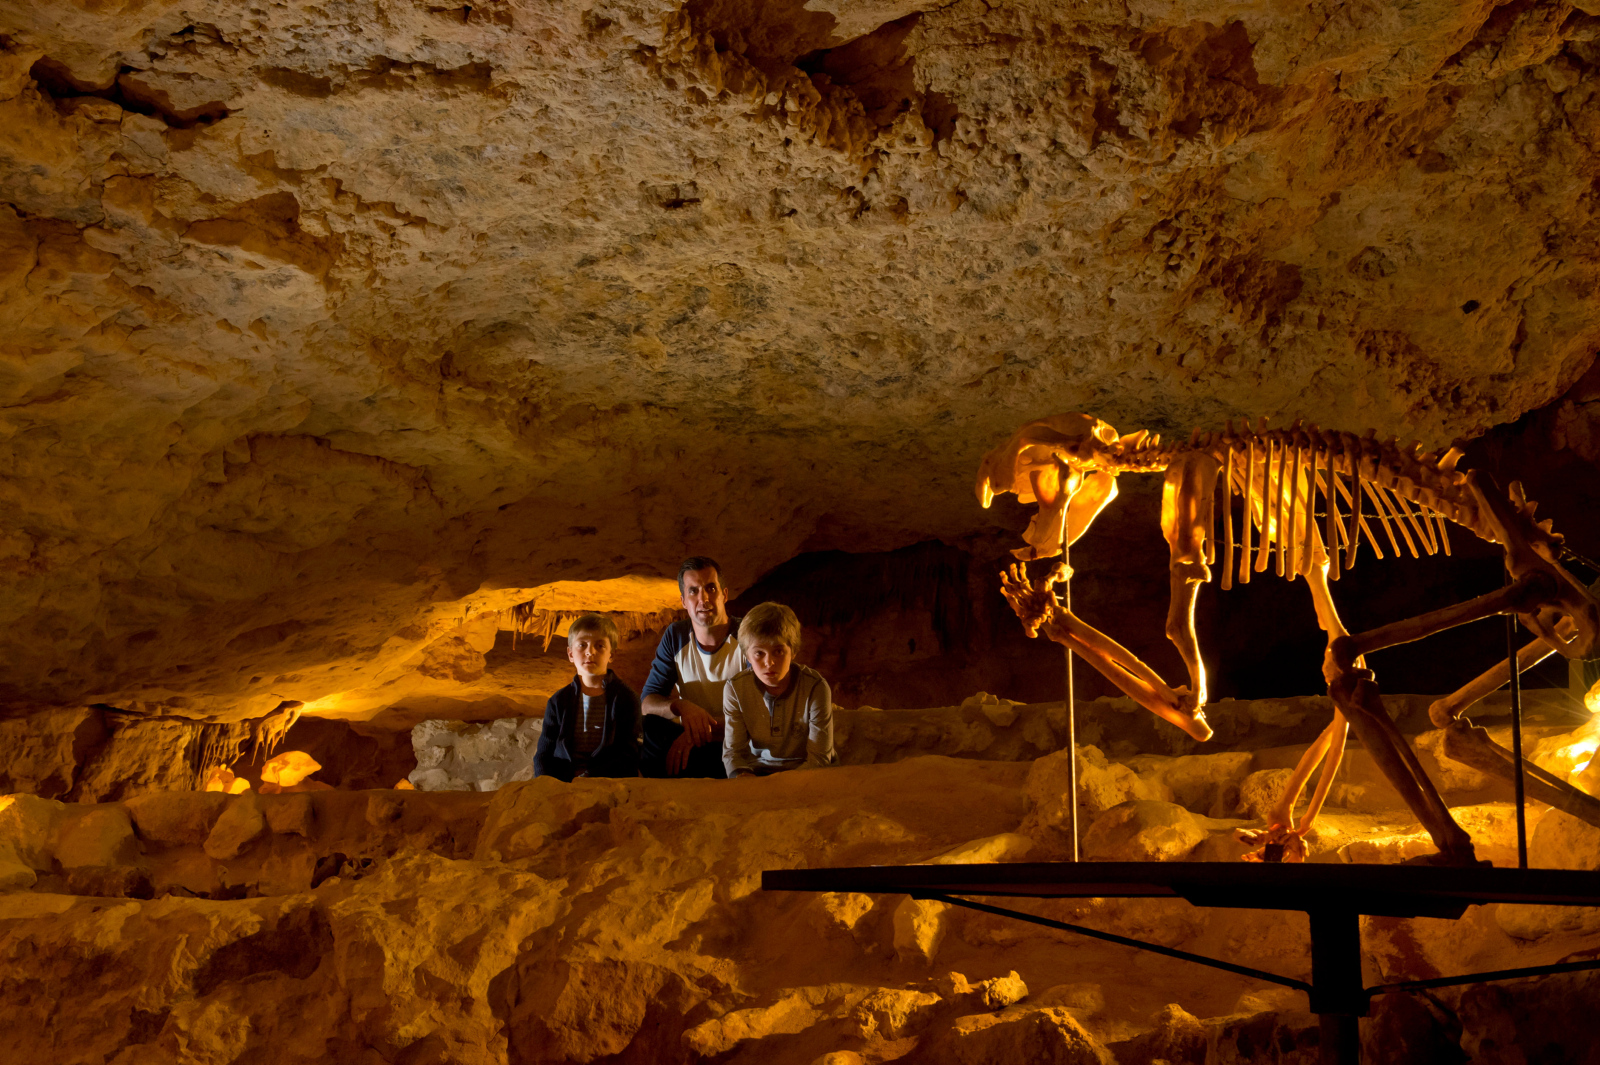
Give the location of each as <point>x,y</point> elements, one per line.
<point>1334,897</point>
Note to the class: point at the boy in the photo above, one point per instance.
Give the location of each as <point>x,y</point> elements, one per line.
<point>778,714</point>
<point>588,725</point>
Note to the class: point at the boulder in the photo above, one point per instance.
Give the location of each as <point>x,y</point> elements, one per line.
<point>1144,830</point>
<point>919,928</point>
<point>459,756</point>
<point>1102,784</point>
<point>95,837</point>
<point>240,823</point>
<point>1204,783</point>
<point>176,818</point>
<point>1047,1036</point>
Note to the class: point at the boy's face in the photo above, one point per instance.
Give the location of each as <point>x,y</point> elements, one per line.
<point>770,660</point>
<point>590,653</point>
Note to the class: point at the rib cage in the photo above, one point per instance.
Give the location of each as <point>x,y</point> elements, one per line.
<point>1390,497</point>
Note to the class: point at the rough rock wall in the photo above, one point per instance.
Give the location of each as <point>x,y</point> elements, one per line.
<point>323,326</point>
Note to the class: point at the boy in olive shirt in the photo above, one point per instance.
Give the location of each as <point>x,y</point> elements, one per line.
<point>778,714</point>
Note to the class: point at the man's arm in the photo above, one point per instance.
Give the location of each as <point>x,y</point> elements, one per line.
<point>659,699</point>
<point>663,678</point>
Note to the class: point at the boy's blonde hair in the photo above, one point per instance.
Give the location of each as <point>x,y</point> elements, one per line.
<point>770,621</point>
<point>594,625</point>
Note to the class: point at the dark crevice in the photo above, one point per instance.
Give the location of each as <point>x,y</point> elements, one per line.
<point>127,92</point>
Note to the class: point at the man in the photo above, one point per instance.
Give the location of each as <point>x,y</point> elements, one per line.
<point>683,695</point>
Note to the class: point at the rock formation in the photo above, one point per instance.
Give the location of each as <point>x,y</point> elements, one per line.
<point>323,333</point>
<point>348,351</point>
<point>623,920</point>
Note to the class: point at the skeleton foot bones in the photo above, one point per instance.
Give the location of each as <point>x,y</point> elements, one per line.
<point>1268,483</point>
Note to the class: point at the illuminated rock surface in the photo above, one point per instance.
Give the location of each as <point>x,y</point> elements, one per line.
<point>323,332</point>
<point>329,334</point>
<point>623,920</point>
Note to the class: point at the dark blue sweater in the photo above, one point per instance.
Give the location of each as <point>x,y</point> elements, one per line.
<point>617,755</point>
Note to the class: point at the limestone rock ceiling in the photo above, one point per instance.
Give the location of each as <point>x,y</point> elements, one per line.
<point>326,326</point>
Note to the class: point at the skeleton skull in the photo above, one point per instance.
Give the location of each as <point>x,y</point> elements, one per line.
<point>1068,464</point>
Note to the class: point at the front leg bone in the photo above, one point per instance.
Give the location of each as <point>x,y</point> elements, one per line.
<point>1036,606</point>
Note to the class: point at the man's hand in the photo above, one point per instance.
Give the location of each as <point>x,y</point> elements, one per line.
<point>678,754</point>
<point>698,724</point>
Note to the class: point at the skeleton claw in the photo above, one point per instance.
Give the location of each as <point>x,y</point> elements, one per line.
<point>1278,843</point>
<point>1034,602</point>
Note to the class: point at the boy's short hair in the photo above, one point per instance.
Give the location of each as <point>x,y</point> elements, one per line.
<point>694,562</point>
<point>594,625</point>
<point>769,621</point>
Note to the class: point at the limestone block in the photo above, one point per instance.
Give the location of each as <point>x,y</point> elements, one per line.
<point>1204,783</point>
<point>1001,712</point>
<point>28,826</point>
<point>1561,841</point>
<point>1084,1000</point>
<point>522,815</point>
<point>839,1057</point>
<point>793,1013</point>
<point>40,752</point>
<point>95,837</point>
<point>458,756</point>
<point>1558,841</point>
<point>289,814</point>
<point>1260,791</point>
<point>995,993</point>
<point>1175,1036</point>
<point>1144,830</point>
<point>15,875</point>
<point>892,1012</point>
<point>837,912</point>
<point>919,928</point>
<point>383,808</point>
<point>241,822</point>
<point>1048,1036</point>
<point>1102,784</point>
<point>139,758</point>
<point>176,818</point>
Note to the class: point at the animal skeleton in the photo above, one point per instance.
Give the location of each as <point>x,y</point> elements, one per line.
<point>1069,464</point>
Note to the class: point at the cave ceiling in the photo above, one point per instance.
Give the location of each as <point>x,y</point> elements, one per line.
<point>326,327</point>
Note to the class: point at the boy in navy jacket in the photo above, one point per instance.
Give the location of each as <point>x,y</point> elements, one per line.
<point>589,725</point>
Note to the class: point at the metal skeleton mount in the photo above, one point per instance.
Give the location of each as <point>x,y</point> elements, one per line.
<point>1372,493</point>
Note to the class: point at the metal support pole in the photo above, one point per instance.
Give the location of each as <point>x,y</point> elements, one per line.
<point>1337,996</point>
<point>1516,741</point>
<point>1072,705</point>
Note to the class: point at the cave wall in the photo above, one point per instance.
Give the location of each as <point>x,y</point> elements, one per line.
<point>324,328</point>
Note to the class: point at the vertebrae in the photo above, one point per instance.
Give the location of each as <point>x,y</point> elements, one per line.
<point>1376,492</point>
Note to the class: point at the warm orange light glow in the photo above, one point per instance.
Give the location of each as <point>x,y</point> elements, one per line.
<point>404,785</point>
<point>239,786</point>
<point>289,768</point>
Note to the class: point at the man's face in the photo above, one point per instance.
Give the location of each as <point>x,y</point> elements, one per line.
<point>704,597</point>
<point>590,654</point>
